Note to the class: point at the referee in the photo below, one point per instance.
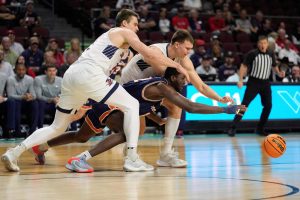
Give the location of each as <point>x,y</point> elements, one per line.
<point>259,62</point>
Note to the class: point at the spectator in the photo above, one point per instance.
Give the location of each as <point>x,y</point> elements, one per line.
<point>125,4</point>
<point>230,22</point>
<point>219,4</point>
<point>236,9</point>
<point>20,60</point>
<point>243,23</point>
<point>206,71</point>
<point>281,25</point>
<point>294,77</point>
<point>74,48</point>
<point>217,23</point>
<point>199,52</point>
<point>7,18</point>
<point>282,36</point>
<point>104,22</point>
<point>71,58</point>
<point>289,53</point>
<point>20,88</point>
<point>146,22</point>
<point>228,68</point>
<point>195,22</point>
<point>9,55</point>
<point>47,88</point>
<point>235,78</point>
<point>9,118</point>
<point>29,19</point>
<point>216,51</point>
<point>266,28</point>
<point>180,21</point>
<point>16,47</point>
<point>257,21</point>
<point>192,4</point>
<point>49,60</point>
<point>5,67</point>
<point>296,35</point>
<point>53,46</point>
<point>163,22</point>
<point>33,57</point>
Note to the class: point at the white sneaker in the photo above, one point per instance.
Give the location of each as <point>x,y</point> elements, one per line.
<point>171,160</point>
<point>10,161</point>
<point>136,165</point>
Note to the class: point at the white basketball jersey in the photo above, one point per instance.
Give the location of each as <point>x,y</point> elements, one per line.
<point>137,68</point>
<point>103,54</point>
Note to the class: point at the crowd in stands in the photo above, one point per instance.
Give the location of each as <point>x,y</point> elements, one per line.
<point>32,64</point>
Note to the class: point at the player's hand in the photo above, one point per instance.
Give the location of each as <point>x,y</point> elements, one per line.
<point>226,99</point>
<point>183,71</point>
<point>235,109</point>
<point>240,84</point>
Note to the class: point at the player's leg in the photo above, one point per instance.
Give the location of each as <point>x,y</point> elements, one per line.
<point>131,124</point>
<point>70,100</point>
<point>167,156</point>
<point>266,101</point>
<point>252,90</point>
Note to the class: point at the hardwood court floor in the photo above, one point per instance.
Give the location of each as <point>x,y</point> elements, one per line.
<point>219,168</point>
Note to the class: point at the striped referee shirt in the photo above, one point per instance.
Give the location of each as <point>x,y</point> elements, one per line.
<point>260,64</point>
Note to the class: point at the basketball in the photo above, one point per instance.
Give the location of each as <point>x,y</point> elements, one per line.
<point>274,145</point>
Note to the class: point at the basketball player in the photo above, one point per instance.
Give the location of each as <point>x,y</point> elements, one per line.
<point>139,67</point>
<point>151,93</point>
<point>88,77</point>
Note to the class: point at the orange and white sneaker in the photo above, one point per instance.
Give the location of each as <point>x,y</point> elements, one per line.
<point>39,155</point>
<point>79,165</point>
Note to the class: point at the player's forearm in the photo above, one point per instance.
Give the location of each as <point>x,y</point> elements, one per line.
<point>210,93</point>
<point>242,72</point>
<point>204,109</point>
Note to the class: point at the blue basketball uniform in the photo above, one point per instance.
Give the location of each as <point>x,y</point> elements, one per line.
<point>99,113</point>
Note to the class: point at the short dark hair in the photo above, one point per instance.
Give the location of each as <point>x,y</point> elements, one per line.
<point>181,36</point>
<point>170,71</point>
<point>46,67</point>
<point>19,65</point>
<point>262,37</point>
<point>125,14</point>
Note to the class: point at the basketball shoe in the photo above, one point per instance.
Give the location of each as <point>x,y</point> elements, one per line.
<point>171,159</point>
<point>39,155</point>
<point>10,160</point>
<point>79,165</point>
<point>136,165</point>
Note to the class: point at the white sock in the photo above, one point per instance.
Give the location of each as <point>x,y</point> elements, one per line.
<point>171,128</point>
<point>86,155</point>
<point>18,150</point>
<point>59,126</point>
<point>132,153</point>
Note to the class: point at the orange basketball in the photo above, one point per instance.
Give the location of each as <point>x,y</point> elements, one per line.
<point>274,145</point>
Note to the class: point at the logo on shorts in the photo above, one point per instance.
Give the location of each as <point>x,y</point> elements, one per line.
<point>153,109</point>
<point>109,81</point>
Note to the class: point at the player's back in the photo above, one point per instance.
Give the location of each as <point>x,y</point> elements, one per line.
<point>137,89</point>
<point>137,68</point>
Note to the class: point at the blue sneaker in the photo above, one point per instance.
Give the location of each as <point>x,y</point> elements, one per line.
<point>79,165</point>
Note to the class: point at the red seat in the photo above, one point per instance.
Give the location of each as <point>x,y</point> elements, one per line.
<point>246,47</point>
<point>226,37</point>
<point>243,38</point>
<point>41,31</point>
<point>156,36</point>
<point>3,31</point>
<point>230,47</point>
<point>143,36</point>
<point>21,32</point>
<point>169,36</point>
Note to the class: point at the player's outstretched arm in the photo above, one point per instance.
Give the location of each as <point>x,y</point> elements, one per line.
<point>182,102</point>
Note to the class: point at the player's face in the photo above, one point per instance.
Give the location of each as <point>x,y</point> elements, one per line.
<point>263,45</point>
<point>183,49</point>
<point>178,82</point>
<point>132,24</point>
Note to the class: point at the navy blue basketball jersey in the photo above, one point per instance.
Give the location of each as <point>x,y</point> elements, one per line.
<point>136,89</point>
